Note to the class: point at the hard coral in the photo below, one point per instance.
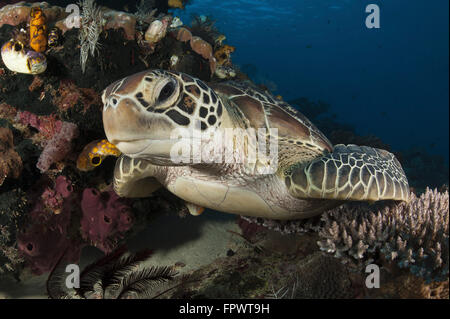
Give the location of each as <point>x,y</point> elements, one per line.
<point>10,161</point>
<point>413,235</point>
<point>15,14</point>
<point>58,147</point>
<point>105,219</point>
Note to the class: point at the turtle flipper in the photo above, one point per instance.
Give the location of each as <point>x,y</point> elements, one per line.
<point>350,173</point>
<point>134,177</point>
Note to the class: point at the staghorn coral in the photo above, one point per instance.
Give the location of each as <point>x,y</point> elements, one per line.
<point>413,235</point>
<point>58,146</point>
<point>10,161</point>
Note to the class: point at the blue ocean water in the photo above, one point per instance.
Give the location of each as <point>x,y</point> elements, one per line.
<point>391,82</point>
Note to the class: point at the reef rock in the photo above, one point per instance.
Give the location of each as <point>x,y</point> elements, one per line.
<point>10,161</point>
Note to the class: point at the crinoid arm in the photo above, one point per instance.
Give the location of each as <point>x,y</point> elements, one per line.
<point>350,172</point>
<point>134,178</point>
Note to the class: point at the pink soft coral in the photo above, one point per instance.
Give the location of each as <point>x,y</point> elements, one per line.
<point>58,147</point>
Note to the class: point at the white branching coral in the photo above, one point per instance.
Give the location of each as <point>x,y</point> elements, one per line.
<point>92,24</point>
<point>413,235</point>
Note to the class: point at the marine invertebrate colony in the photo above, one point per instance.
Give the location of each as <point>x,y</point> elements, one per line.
<point>15,14</point>
<point>58,146</point>
<point>308,168</point>
<point>105,219</point>
<point>198,45</point>
<point>38,30</point>
<point>413,235</point>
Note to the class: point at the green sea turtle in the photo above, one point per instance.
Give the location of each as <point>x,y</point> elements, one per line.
<point>141,113</point>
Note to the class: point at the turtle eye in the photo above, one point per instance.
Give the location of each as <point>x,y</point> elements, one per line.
<point>96,160</point>
<point>166,92</point>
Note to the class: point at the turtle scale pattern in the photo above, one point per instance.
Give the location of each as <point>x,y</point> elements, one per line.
<point>309,167</point>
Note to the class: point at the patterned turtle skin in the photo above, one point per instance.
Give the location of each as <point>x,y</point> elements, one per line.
<point>142,111</point>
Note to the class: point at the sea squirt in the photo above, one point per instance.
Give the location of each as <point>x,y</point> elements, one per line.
<point>17,59</point>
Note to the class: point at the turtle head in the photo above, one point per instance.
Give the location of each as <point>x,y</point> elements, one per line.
<point>146,114</point>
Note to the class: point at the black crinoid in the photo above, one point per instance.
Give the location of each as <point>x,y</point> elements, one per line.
<point>119,275</point>
<point>204,27</point>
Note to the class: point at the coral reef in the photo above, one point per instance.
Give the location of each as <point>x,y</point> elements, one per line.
<point>198,45</point>
<point>91,25</point>
<point>10,161</point>
<point>204,27</point>
<point>411,235</point>
<point>15,14</point>
<point>157,30</point>
<point>120,20</point>
<point>223,54</point>
<point>119,275</point>
<point>47,234</point>
<point>106,218</point>
<point>38,30</point>
<point>12,211</point>
<point>145,11</point>
<point>57,148</point>
<point>409,286</point>
<point>52,116</point>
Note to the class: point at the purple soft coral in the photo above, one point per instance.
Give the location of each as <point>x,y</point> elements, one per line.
<point>106,217</point>
<point>47,236</point>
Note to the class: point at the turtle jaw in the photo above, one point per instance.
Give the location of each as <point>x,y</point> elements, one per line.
<point>157,152</point>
